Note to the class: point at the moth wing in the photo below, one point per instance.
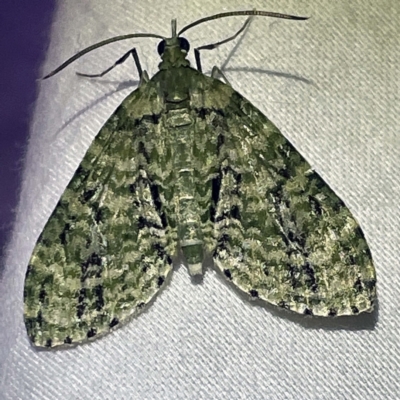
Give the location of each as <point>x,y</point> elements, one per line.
<point>283,235</point>
<point>103,253</point>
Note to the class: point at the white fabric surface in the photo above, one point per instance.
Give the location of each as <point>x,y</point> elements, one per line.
<point>331,84</point>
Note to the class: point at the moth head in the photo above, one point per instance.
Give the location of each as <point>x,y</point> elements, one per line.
<point>173,50</point>
<point>177,42</point>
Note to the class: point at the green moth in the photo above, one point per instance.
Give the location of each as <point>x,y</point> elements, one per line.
<point>187,166</point>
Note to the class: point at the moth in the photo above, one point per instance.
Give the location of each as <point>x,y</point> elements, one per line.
<point>188,166</point>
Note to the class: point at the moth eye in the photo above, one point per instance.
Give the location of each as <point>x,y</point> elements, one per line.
<point>161,47</point>
<point>184,44</point>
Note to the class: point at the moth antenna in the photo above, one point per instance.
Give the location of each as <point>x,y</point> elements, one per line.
<point>229,39</point>
<point>236,13</point>
<point>100,44</point>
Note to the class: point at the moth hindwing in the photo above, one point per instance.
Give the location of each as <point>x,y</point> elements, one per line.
<point>187,163</point>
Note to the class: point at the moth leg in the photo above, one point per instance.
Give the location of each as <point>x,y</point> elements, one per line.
<point>215,45</point>
<point>217,73</point>
<point>142,75</point>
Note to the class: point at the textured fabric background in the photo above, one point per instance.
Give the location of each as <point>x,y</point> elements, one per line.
<point>331,84</point>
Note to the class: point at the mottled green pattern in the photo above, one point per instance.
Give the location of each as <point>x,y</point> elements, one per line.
<point>283,234</point>
<point>187,163</point>
<point>102,254</point>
